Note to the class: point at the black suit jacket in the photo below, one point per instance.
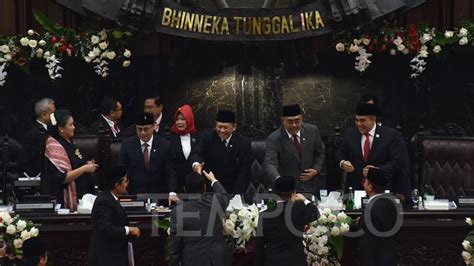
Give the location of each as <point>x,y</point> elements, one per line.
<point>109,243</point>
<point>375,250</point>
<point>100,122</point>
<point>159,178</point>
<point>181,165</point>
<point>230,164</point>
<point>205,249</point>
<point>387,152</point>
<point>278,245</point>
<point>32,155</point>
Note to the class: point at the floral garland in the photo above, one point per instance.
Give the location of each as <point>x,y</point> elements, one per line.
<point>468,252</point>
<point>420,42</point>
<point>240,226</point>
<point>323,240</point>
<point>98,48</point>
<point>13,232</point>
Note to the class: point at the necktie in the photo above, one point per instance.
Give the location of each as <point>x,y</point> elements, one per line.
<point>366,147</point>
<point>146,155</point>
<point>116,128</point>
<point>225,142</point>
<point>297,144</point>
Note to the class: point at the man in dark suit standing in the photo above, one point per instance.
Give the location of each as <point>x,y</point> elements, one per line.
<point>32,158</point>
<point>145,156</point>
<point>110,231</point>
<point>198,239</point>
<point>111,112</point>
<point>154,105</point>
<point>295,149</point>
<point>225,152</point>
<point>367,146</point>
<point>376,249</point>
<point>280,230</point>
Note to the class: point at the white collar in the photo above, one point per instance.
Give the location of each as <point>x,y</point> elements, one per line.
<point>291,136</point>
<point>376,195</point>
<point>110,122</point>
<point>158,120</point>
<point>150,142</point>
<point>187,136</point>
<point>227,140</point>
<point>372,131</point>
<point>43,124</point>
<point>115,197</point>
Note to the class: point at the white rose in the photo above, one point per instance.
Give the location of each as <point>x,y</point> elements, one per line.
<point>96,51</point>
<point>393,52</point>
<point>127,53</point>
<point>462,32</point>
<point>126,63</point>
<point>335,231</point>
<point>327,211</point>
<point>340,47</point>
<point>95,39</point>
<point>91,55</point>
<point>111,55</point>
<point>426,37</point>
<point>11,229</point>
<point>25,235</point>
<point>229,209</point>
<point>398,41</point>
<point>466,256</point>
<point>42,42</point>
<point>39,53</point>
<point>357,41</point>
<point>332,218</point>
<point>34,232</point>
<point>366,41</point>
<point>6,218</point>
<point>103,45</point>
<point>4,49</point>
<point>401,47</point>
<point>448,34</point>
<point>87,59</point>
<point>341,216</point>
<point>468,221</point>
<point>18,243</point>
<point>466,245</point>
<point>463,41</point>
<point>8,57</point>
<point>24,41</point>
<point>103,35</point>
<point>31,32</point>
<point>242,214</point>
<point>354,48</point>
<point>229,226</point>
<point>46,55</point>
<point>20,225</point>
<point>344,228</point>
<point>406,51</point>
<point>323,219</point>
<point>32,43</point>
<point>233,217</point>
<point>437,49</point>
<point>103,55</point>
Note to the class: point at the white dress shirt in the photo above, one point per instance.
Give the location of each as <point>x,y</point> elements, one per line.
<point>111,125</point>
<point>157,122</point>
<point>150,143</point>
<point>43,124</point>
<point>186,145</point>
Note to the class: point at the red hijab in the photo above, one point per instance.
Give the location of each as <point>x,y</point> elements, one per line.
<point>187,112</point>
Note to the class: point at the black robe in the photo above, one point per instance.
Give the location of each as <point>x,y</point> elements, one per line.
<point>52,182</point>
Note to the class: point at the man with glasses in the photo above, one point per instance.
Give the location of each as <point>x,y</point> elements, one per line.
<point>154,105</point>
<point>295,149</point>
<point>145,156</point>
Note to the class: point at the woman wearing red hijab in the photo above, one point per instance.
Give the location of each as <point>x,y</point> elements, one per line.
<point>183,142</point>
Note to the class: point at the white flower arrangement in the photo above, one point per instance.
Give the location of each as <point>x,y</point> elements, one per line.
<point>240,226</point>
<point>14,231</point>
<point>468,252</point>
<point>323,240</point>
<point>52,118</point>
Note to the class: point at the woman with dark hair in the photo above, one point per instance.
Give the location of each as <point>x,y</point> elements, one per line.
<point>65,168</point>
<point>183,140</point>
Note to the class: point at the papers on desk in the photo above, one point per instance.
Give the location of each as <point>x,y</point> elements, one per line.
<point>439,205</point>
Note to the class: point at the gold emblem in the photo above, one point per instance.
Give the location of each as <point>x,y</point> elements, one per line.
<point>78,153</point>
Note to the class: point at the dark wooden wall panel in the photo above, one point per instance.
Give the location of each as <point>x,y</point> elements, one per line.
<point>7,17</point>
<point>461,10</point>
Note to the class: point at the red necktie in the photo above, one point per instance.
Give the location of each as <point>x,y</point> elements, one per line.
<point>116,128</point>
<point>297,144</point>
<point>366,147</point>
<point>146,155</point>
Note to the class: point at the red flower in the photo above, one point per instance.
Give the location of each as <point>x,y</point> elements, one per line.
<point>383,48</point>
<point>21,61</point>
<point>54,39</point>
<point>412,31</point>
<point>375,42</point>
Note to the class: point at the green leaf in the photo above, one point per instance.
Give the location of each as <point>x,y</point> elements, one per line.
<point>44,21</point>
<point>117,34</point>
<point>337,244</point>
<point>163,224</point>
<point>127,33</point>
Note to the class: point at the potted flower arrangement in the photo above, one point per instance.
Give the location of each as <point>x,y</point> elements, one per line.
<point>240,226</point>
<point>13,232</point>
<point>468,251</point>
<point>324,238</point>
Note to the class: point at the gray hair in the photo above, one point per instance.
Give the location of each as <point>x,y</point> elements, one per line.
<point>43,106</point>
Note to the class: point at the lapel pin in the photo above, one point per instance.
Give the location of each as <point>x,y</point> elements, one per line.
<point>377,135</point>
<point>304,139</point>
<point>154,150</point>
<point>230,145</point>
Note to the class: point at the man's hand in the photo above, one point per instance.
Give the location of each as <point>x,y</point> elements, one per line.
<point>307,174</point>
<point>90,167</point>
<point>172,198</point>
<point>365,171</point>
<point>298,197</point>
<point>210,176</point>
<point>133,231</point>
<point>347,166</point>
<point>198,168</point>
